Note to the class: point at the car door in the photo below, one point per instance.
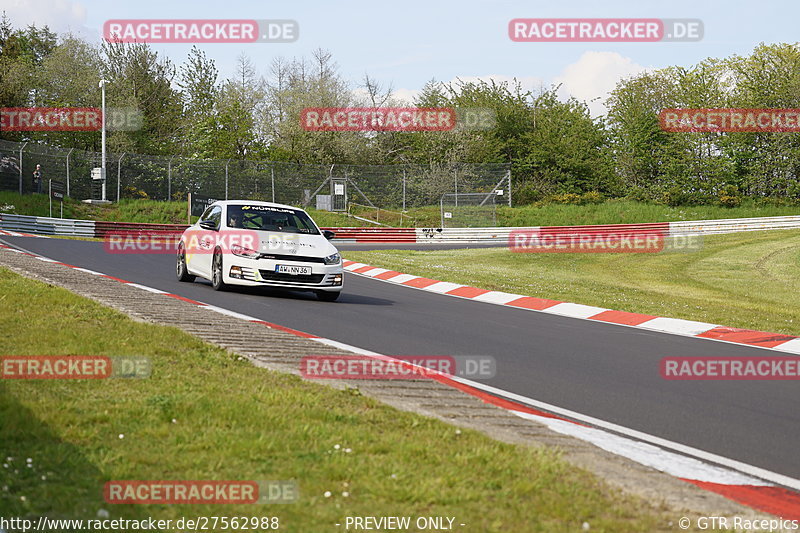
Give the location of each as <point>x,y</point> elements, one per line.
<point>199,259</point>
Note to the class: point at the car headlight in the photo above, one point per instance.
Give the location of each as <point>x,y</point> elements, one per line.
<point>333,259</point>
<point>241,251</point>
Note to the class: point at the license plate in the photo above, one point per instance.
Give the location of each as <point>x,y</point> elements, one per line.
<point>293,270</point>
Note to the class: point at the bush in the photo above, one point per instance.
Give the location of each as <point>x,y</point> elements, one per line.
<point>527,193</point>
<point>132,192</point>
<point>592,197</point>
<point>676,196</point>
<point>567,198</point>
<point>729,196</point>
<point>639,194</point>
<point>729,201</point>
<point>793,189</point>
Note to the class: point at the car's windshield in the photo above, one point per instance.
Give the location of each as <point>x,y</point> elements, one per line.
<point>267,218</point>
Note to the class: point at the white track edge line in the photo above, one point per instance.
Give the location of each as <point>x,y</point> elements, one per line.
<point>733,464</point>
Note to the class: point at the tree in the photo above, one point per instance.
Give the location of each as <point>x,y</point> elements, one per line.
<point>566,150</point>
<point>21,55</point>
<point>200,95</point>
<point>140,79</point>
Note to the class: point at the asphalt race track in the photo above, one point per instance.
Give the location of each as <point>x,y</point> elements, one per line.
<point>603,370</point>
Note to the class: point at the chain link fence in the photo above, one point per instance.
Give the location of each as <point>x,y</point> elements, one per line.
<point>171,178</point>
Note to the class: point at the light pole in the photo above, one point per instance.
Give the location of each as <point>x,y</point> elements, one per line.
<point>103,132</point>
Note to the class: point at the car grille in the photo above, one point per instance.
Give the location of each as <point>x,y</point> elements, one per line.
<point>300,258</point>
<point>269,275</point>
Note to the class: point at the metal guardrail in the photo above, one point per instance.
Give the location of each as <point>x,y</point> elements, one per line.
<point>692,227</point>
<point>733,225</point>
<point>89,228</point>
<point>465,235</point>
<point>47,225</point>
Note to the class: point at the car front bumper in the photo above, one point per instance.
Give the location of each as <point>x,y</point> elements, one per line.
<point>261,272</point>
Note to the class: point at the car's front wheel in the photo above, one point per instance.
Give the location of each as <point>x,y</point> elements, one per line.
<point>216,272</point>
<point>328,296</point>
<point>180,266</point>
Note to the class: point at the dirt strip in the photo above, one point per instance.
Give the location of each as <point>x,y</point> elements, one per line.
<point>281,351</point>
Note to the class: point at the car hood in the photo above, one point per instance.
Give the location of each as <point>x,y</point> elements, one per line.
<point>300,244</point>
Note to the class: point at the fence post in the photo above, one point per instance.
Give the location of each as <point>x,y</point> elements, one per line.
<point>226,178</point>
<point>455,184</point>
<point>508,173</point>
<point>20,167</point>
<point>119,173</point>
<point>169,178</point>
<point>68,154</point>
<point>404,194</point>
<point>272,173</point>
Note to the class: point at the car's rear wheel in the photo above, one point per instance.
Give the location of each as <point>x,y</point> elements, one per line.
<point>216,272</point>
<point>328,296</point>
<point>180,266</point>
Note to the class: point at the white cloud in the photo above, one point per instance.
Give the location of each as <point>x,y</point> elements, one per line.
<point>406,96</point>
<point>59,15</point>
<point>594,75</point>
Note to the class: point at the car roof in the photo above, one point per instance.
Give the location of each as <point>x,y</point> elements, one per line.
<point>253,202</point>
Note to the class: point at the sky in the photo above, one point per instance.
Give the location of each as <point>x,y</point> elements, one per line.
<point>406,44</point>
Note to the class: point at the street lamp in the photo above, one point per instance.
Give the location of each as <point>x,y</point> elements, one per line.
<point>103,132</point>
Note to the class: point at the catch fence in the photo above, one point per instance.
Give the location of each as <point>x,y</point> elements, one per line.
<point>331,187</point>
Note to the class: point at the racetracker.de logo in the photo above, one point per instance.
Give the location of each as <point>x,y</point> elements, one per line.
<point>604,30</point>
<point>200,492</point>
<point>378,118</point>
<point>397,367</point>
<point>201,31</point>
<point>730,120</point>
<point>68,119</point>
<point>564,239</point>
<point>142,243</point>
<point>73,367</point>
<point>731,368</point>
<point>50,119</point>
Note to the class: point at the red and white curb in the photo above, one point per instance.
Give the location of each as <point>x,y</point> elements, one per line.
<point>676,326</point>
<point>751,486</point>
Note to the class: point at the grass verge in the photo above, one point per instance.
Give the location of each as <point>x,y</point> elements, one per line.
<point>746,280</point>
<point>36,205</point>
<point>206,415</point>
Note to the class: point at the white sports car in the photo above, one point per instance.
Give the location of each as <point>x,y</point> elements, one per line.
<point>238,242</point>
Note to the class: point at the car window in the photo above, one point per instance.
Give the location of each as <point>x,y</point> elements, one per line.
<point>266,218</point>
<point>206,213</point>
<point>215,215</point>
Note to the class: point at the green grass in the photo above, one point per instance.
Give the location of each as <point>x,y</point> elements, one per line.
<point>746,280</point>
<point>144,211</point>
<point>622,211</point>
<point>327,219</point>
<point>613,211</point>
<point>36,205</point>
<point>203,414</point>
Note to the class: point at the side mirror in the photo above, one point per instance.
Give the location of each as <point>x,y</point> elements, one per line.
<point>208,224</point>
<point>328,234</point>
